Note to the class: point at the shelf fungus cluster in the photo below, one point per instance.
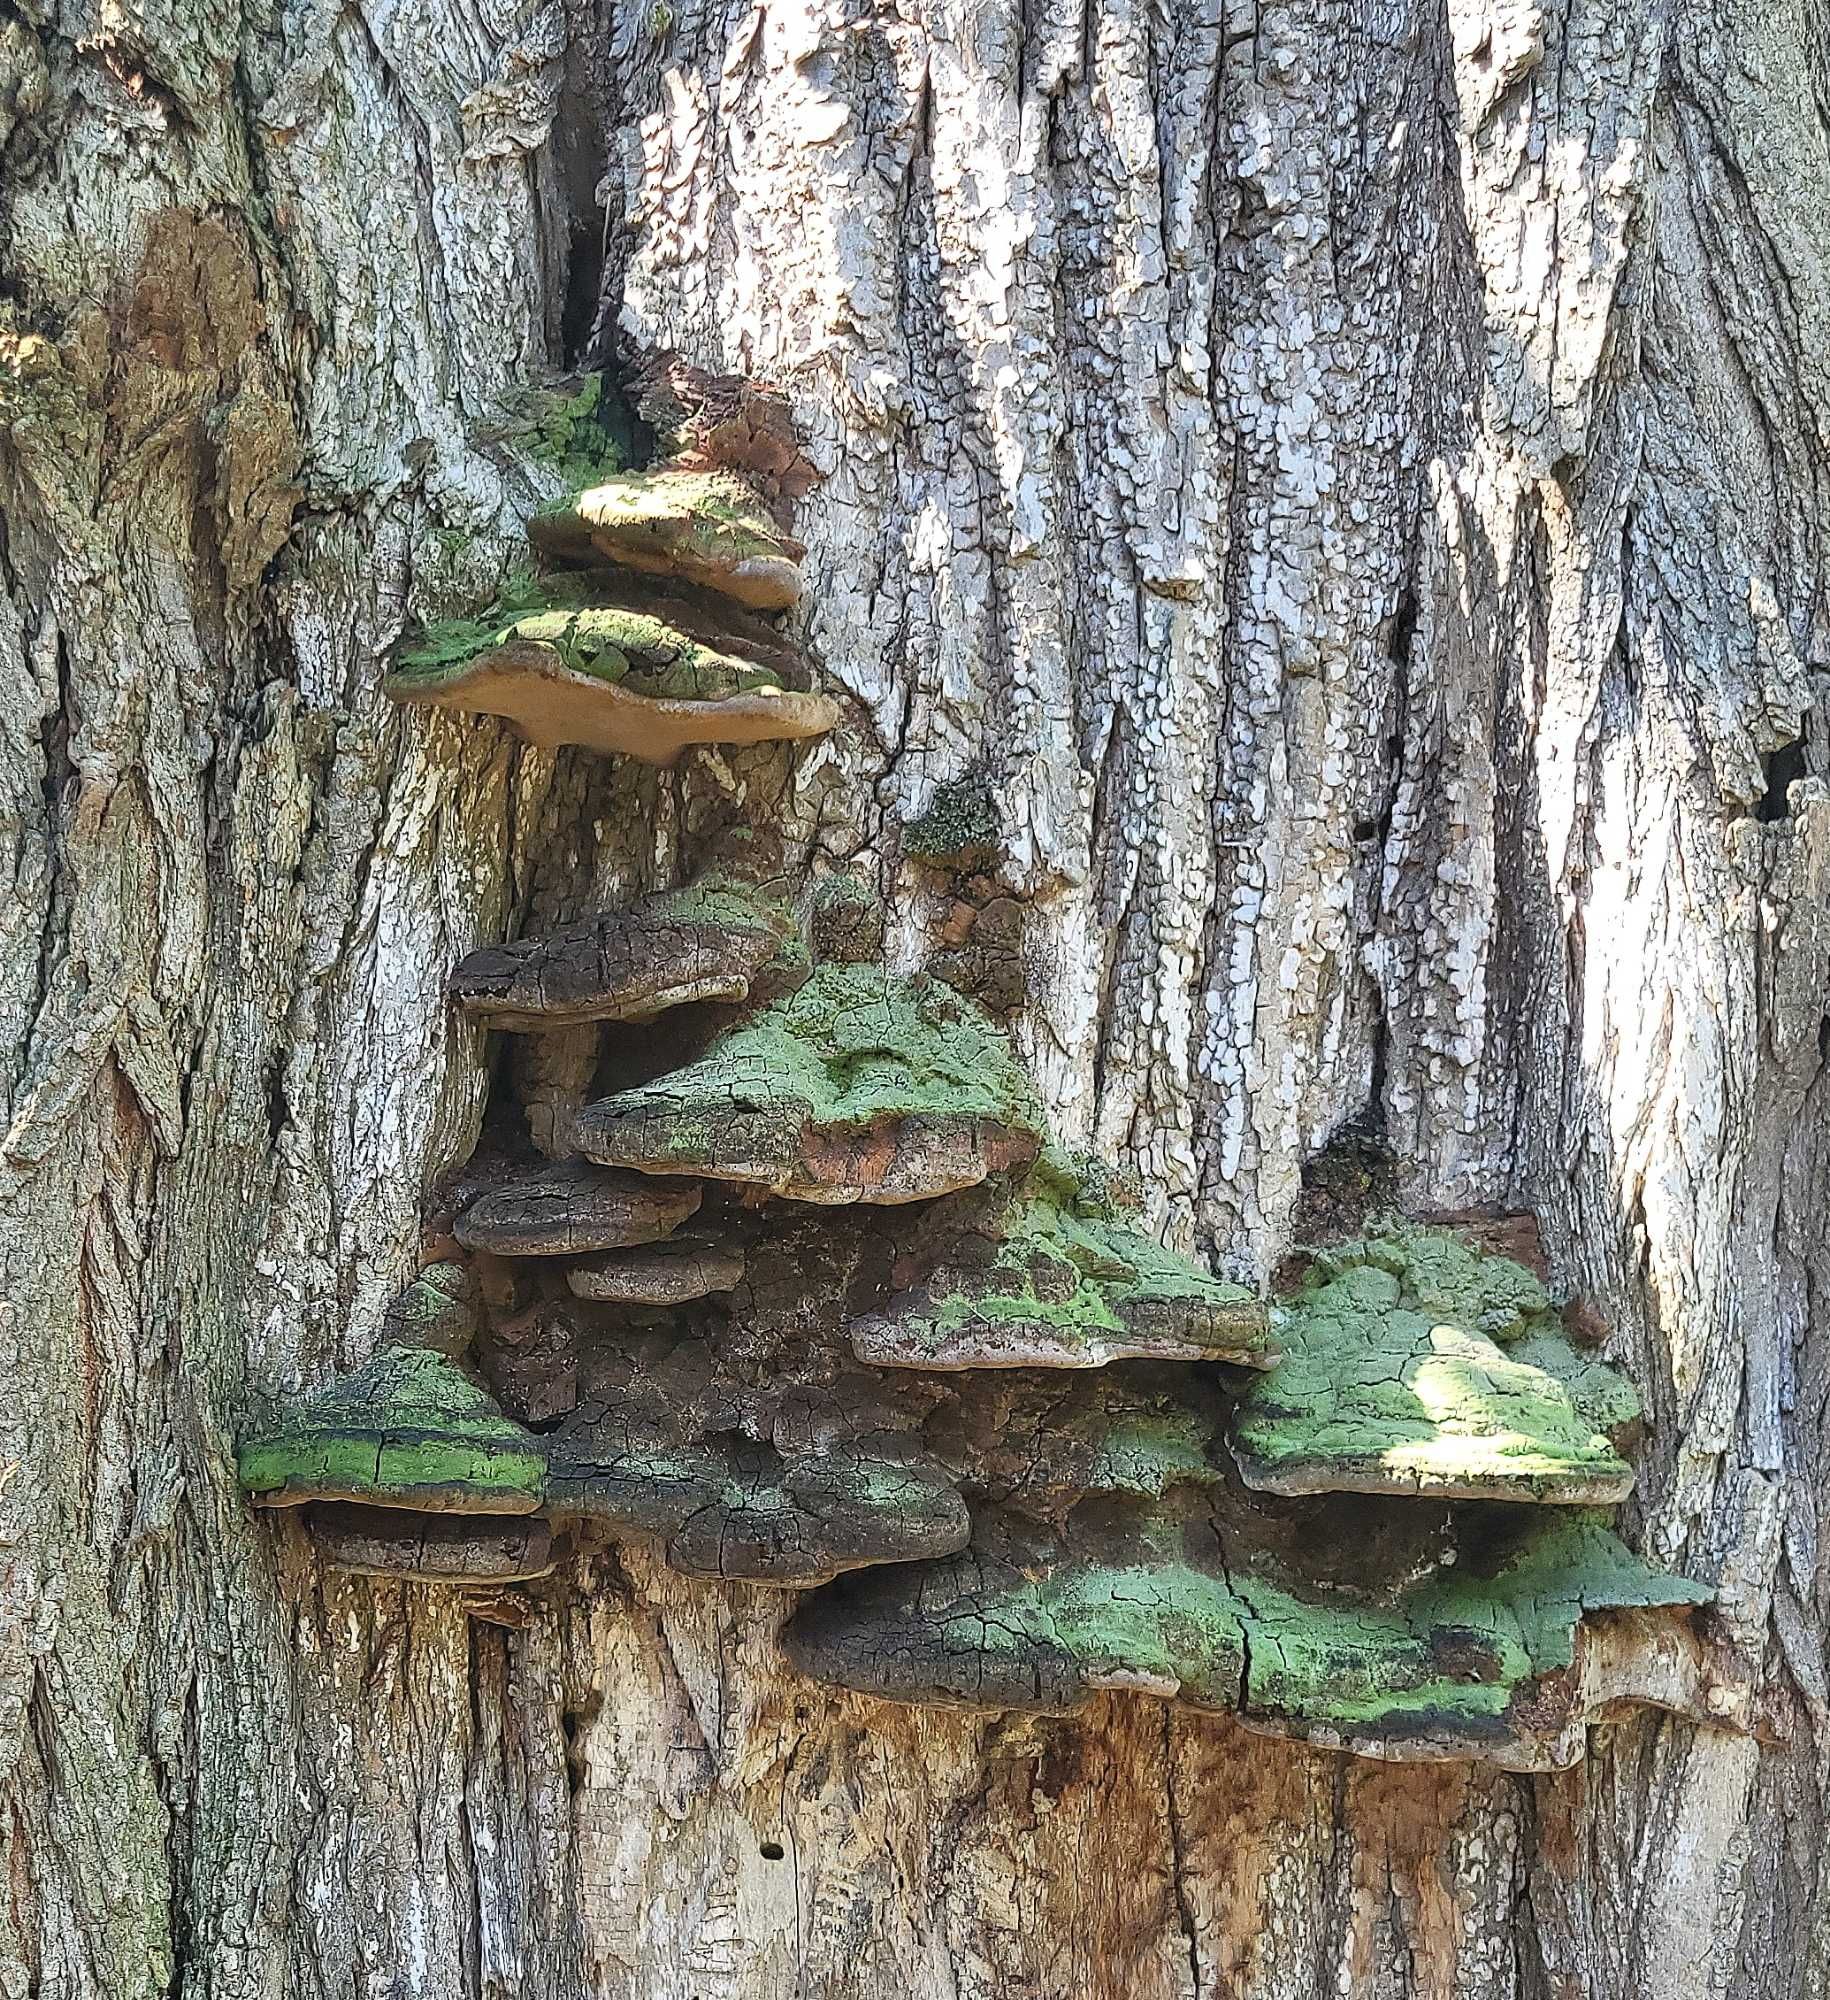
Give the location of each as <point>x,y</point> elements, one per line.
<point>643,636</point>
<point>801,1291</point>
<point>820,1304</point>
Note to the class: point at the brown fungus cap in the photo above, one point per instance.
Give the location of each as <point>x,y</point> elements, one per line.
<point>572,1208</point>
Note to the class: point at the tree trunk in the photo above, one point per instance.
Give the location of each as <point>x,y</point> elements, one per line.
<point>1353,478</point>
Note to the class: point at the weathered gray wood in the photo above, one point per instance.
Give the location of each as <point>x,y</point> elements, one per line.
<point>1354,478</point>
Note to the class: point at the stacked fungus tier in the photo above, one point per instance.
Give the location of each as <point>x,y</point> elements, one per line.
<point>822,1304</point>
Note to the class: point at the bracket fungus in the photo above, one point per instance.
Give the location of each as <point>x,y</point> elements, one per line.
<point>790,1480</point>
<point>575,660</point>
<point>571,1208</point>
<point>671,1273</point>
<point>1415,1362</point>
<point>975,1434</point>
<point>859,1086</point>
<point>1046,1274</point>
<point>1480,1656</point>
<point>439,1309</point>
<point>717,939</point>
<point>408,1429</point>
<point>702,528</point>
<point>431,1548</point>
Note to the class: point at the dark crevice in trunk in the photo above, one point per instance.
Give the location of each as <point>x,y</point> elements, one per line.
<point>1781,769</point>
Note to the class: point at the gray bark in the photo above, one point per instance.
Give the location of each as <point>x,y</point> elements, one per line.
<point>1354,476</point>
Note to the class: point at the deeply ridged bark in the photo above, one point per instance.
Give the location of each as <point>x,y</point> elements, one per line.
<point>1353,479</point>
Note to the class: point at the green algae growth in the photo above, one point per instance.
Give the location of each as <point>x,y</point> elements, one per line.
<point>407,1429</point>
<point>1415,1362</point>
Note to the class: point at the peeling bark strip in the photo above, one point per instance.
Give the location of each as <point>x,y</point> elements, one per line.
<point>1353,476</point>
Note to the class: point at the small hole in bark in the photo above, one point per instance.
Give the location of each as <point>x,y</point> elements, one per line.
<point>772,1850</point>
<point>1403,625</point>
<point>1365,829</point>
<point>279,1109</point>
<point>1781,768</point>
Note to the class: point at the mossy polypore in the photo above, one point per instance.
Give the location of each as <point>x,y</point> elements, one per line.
<point>408,1429</point>
<point>568,663</point>
<point>1471,1661</point>
<point>718,939</point>
<point>1415,1362</point>
<point>1051,1276</point>
<point>859,1086</point>
<point>701,528</point>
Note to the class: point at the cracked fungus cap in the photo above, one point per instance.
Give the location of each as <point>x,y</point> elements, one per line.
<point>702,528</point>
<point>1046,1274</point>
<point>1417,1363</point>
<point>859,1086</point>
<point>619,680</point>
<point>430,1548</point>
<point>717,939</point>
<point>569,1209</point>
<point>661,1274</point>
<point>789,1483</point>
<point>408,1429</point>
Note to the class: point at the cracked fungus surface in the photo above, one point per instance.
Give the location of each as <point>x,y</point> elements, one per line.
<point>1051,1275</point>
<point>717,939</point>
<point>856,1087</point>
<point>1414,1362</point>
<point>407,1429</point>
<point>792,1484</point>
<point>1436,1666</point>
<point>431,1548</point>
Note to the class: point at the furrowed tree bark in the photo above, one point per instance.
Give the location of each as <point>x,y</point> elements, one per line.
<point>1354,479</point>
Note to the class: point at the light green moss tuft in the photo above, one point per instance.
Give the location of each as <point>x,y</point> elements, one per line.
<point>960,826</point>
<point>572,435</point>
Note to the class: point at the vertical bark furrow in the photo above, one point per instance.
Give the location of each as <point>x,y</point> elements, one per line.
<point>1152,357</point>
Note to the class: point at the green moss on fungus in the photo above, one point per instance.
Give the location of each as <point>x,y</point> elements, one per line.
<point>610,642</point>
<point>1472,1661</point>
<point>1050,1276</point>
<point>407,1429</point>
<point>701,528</point>
<point>718,939</point>
<point>856,1087</point>
<point>1416,1363</point>
<point>569,660</point>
